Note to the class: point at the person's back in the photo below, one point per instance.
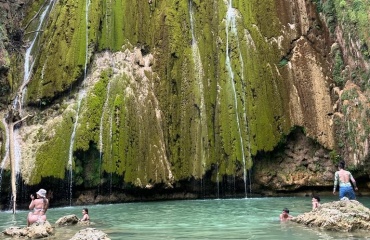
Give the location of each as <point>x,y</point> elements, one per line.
<point>39,207</point>
<point>344,178</point>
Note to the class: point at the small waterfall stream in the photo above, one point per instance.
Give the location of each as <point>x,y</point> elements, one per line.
<point>199,73</point>
<point>6,155</point>
<point>101,128</point>
<point>81,96</point>
<point>231,31</point>
<point>13,145</point>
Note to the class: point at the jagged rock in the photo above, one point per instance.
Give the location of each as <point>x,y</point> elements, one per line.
<point>90,234</point>
<point>36,230</point>
<point>345,215</point>
<point>15,232</point>
<point>67,220</point>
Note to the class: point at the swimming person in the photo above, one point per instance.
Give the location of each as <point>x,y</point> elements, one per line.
<point>344,178</point>
<point>39,207</point>
<point>284,216</point>
<point>85,215</point>
<point>315,202</point>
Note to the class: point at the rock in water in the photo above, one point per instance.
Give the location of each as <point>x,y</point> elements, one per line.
<point>345,215</point>
<point>67,220</point>
<point>36,230</point>
<point>90,234</point>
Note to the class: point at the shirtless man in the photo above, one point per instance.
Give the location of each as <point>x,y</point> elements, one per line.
<point>343,178</point>
<point>284,216</point>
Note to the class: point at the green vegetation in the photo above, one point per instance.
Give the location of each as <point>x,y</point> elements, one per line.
<point>349,94</point>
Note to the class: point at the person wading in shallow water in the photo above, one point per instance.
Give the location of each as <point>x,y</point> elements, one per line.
<point>344,178</point>
<point>85,215</point>
<point>315,202</point>
<point>284,216</point>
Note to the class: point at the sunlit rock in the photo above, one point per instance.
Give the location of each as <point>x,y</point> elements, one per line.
<point>67,220</point>
<point>36,230</point>
<point>90,234</point>
<point>345,215</point>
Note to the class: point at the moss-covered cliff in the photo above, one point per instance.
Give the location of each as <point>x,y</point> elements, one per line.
<point>158,92</point>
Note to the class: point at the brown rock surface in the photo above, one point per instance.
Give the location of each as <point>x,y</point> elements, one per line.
<point>90,234</point>
<point>345,215</point>
<point>36,230</point>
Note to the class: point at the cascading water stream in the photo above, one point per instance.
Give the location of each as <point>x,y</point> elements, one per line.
<point>231,24</point>
<point>29,60</point>
<point>81,95</point>
<point>6,155</point>
<point>111,151</point>
<point>101,128</point>
<point>202,125</point>
<point>13,143</point>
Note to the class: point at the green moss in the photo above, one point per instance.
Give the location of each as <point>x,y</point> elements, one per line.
<point>52,156</point>
<point>143,129</point>
<point>62,58</point>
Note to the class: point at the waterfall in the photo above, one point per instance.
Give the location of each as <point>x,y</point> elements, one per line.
<point>29,60</point>
<point>13,144</point>
<point>231,26</point>
<point>105,106</point>
<point>199,72</point>
<point>6,155</point>
<point>111,151</point>
<point>81,95</point>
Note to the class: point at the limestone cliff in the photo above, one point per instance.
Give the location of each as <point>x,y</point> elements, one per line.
<point>143,94</point>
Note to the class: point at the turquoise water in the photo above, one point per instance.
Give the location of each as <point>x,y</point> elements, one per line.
<point>251,218</point>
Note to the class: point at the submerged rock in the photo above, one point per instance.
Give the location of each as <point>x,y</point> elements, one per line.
<point>90,234</point>
<point>345,215</point>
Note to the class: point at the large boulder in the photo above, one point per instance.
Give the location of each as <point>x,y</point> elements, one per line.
<point>345,215</point>
<point>36,230</point>
<point>90,234</point>
<point>67,220</point>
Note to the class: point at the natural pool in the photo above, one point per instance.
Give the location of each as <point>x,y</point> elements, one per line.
<point>250,218</point>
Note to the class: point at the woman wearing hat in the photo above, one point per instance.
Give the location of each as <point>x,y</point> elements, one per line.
<point>39,207</point>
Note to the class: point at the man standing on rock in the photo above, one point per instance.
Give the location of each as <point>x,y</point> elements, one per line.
<point>343,178</point>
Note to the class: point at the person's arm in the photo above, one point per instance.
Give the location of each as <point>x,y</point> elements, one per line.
<point>353,181</point>
<point>336,178</point>
<point>46,205</point>
<point>32,204</point>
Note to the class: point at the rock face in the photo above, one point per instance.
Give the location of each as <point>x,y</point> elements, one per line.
<point>300,163</point>
<point>345,215</point>
<point>36,230</point>
<point>90,234</point>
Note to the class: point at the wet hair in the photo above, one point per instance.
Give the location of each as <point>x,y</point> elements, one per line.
<point>342,164</point>
<point>86,210</point>
<point>316,197</point>
<point>286,210</point>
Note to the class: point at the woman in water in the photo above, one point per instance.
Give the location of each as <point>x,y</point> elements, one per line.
<point>39,207</point>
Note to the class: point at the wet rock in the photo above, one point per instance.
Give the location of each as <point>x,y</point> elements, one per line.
<point>67,220</point>
<point>345,215</point>
<point>36,230</point>
<point>90,234</point>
